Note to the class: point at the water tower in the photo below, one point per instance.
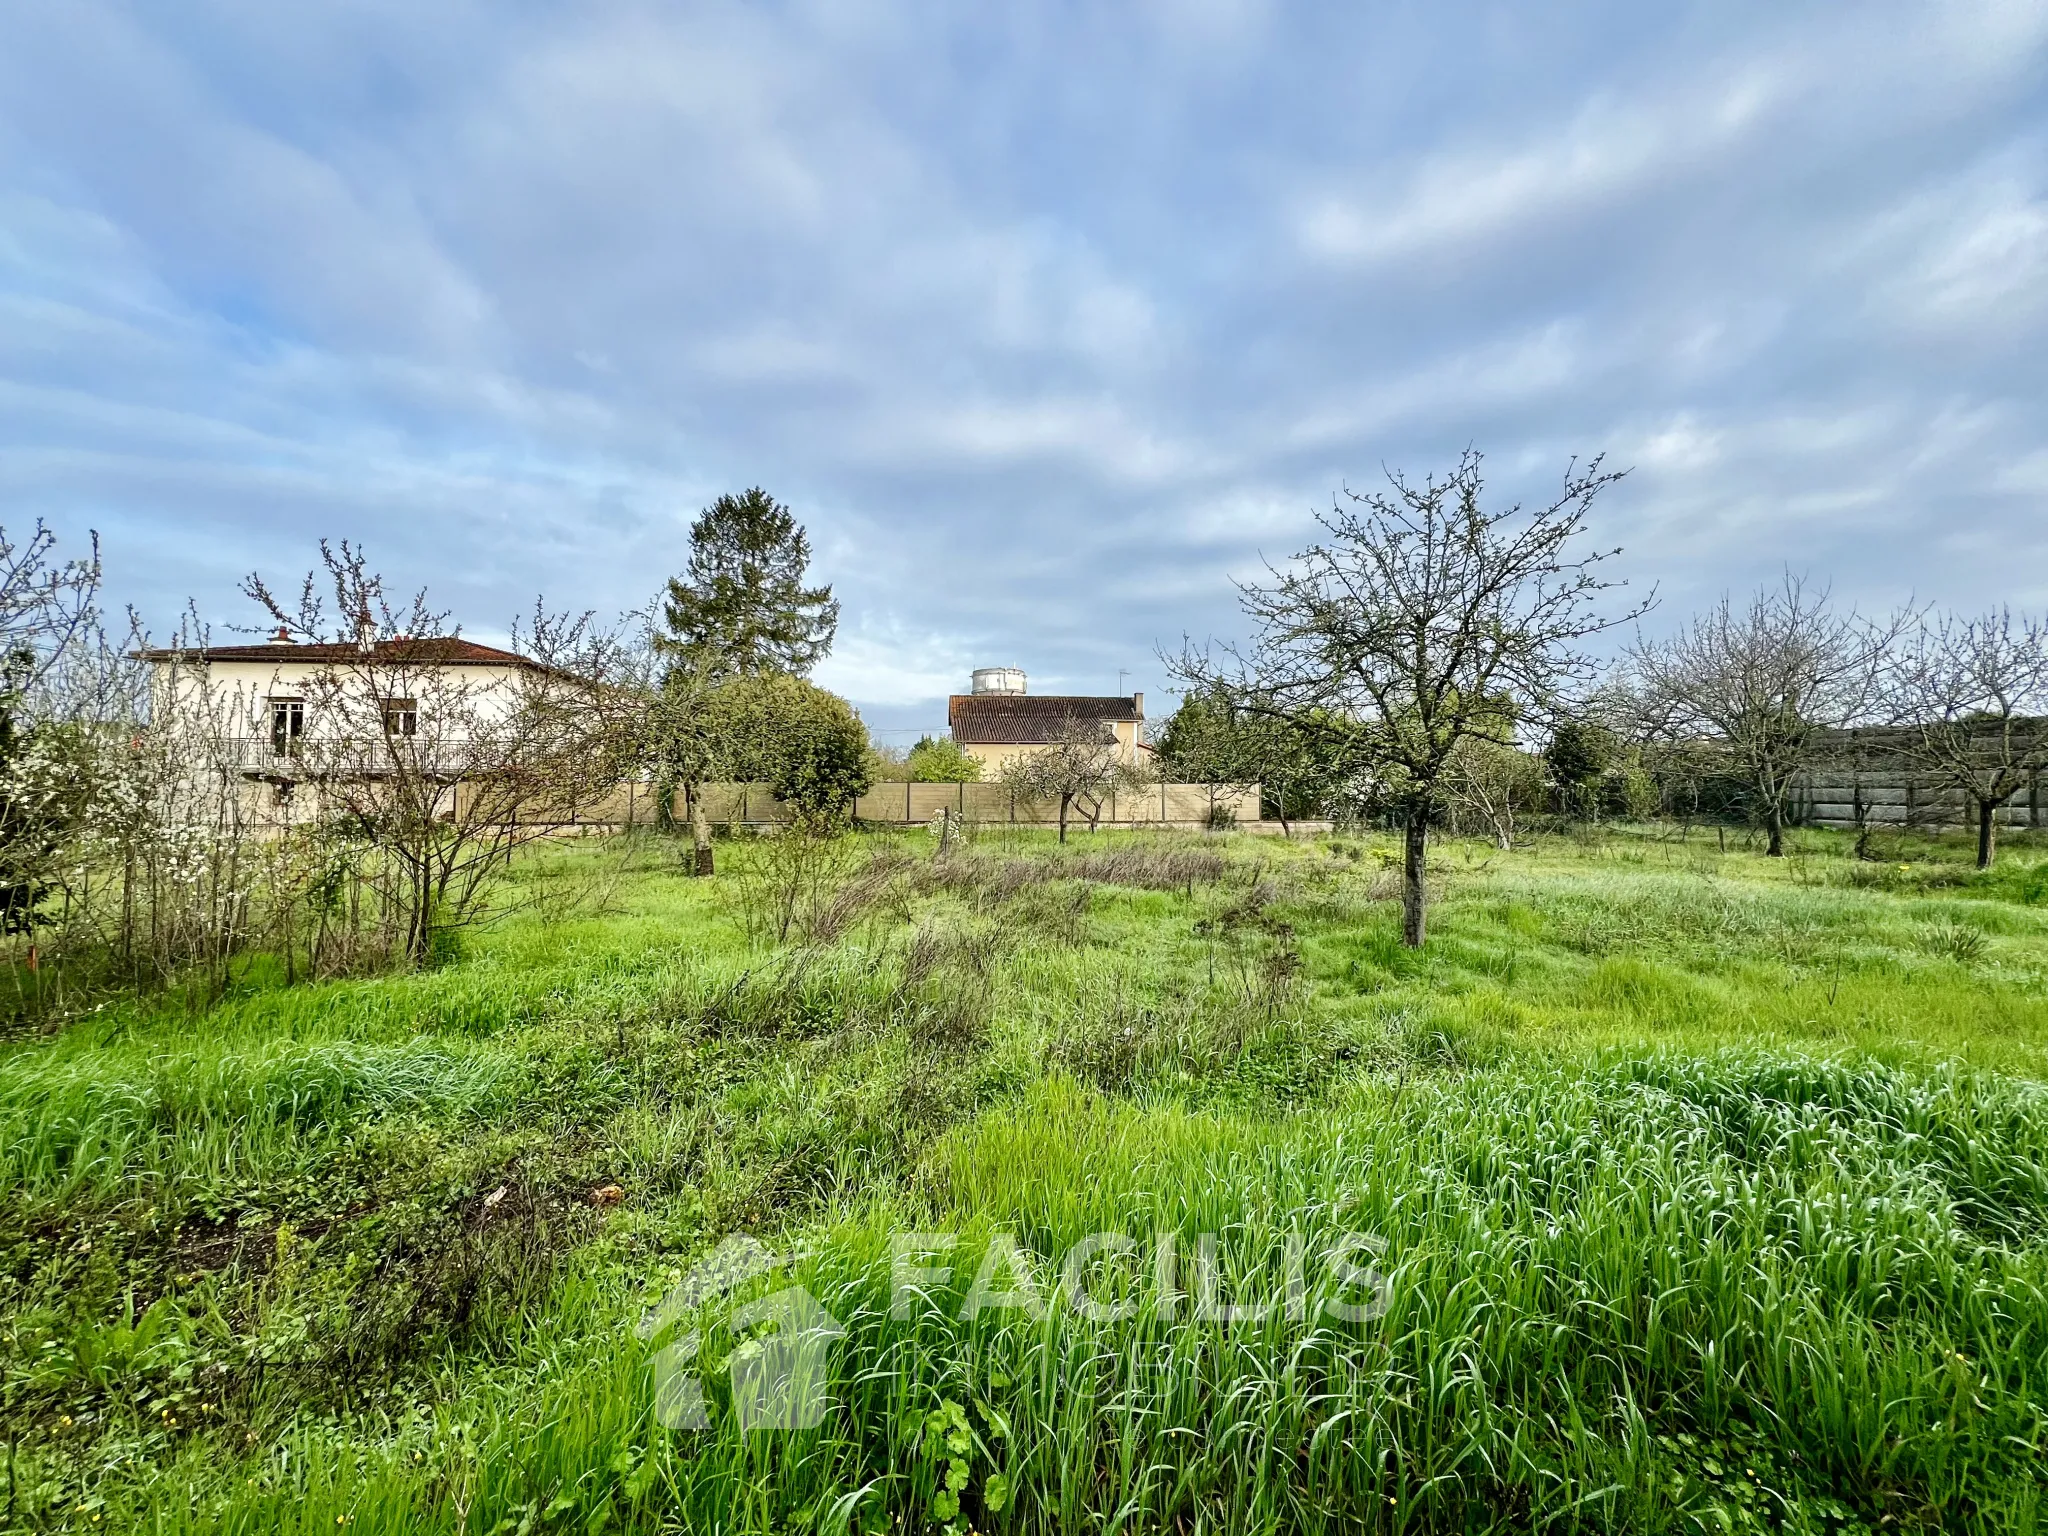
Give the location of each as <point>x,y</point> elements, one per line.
<point>998,679</point>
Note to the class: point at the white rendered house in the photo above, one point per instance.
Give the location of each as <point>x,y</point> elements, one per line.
<point>283,713</point>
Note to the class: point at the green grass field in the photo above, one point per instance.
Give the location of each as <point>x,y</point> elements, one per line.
<point>1699,1192</point>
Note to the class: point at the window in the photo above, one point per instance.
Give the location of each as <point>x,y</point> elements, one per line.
<point>401,717</point>
<point>287,725</point>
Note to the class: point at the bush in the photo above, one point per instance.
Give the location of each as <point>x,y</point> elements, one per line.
<point>941,761</point>
<point>806,743</point>
<point>1579,755</point>
<point>1628,793</point>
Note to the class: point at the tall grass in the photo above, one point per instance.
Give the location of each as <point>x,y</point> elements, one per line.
<point>1666,1293</point>
<point>1713,1196</point>
<point>214,1115</point>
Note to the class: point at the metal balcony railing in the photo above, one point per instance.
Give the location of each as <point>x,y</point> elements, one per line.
<point>306,757</point>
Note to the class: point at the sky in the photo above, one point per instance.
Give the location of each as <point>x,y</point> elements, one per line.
<point>1049,321</point>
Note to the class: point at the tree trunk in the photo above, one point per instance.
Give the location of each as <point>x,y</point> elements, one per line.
<point>419,929</point>
<point>1987,832</point>
<point>700,832</point>
<point>1776,848</point>
<point>1065,801</point>
<point>1413,865</point>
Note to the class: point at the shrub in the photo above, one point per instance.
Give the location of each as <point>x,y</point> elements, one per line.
<point>940,760</point>
<point>1628,793</point>
<point>806,743</point>
<point>1579,753</point>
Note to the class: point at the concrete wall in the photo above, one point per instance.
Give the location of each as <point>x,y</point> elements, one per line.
<point>1830,796</point>
<point>1160,805</point>
<point>894,804</point>
<point>900,804</point>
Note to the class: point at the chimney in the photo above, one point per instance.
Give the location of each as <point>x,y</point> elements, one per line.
<point>283,636</point>
<point>1138,705</point>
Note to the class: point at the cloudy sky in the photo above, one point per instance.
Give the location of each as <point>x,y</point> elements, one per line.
<point>1046,319</point>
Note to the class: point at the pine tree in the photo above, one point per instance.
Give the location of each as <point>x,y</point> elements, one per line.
<point>741,607</point>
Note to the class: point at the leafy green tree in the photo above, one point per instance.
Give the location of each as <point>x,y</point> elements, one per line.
<point>805,743</point>
<point>1629,791</point>
<point>741,606</point>
<point>942,760</point>
<point>1209,740</point>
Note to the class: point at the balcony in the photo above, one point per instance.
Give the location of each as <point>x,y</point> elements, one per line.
<point>326,757</point>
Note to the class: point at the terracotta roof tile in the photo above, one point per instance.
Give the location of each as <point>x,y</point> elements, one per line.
<point>1016,717</point>
<point>430,650</point>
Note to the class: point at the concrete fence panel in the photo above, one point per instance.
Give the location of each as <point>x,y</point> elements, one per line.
<point>900,804</point>
<point>1844,797</point>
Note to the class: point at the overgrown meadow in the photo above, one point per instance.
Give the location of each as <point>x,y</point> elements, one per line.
<point>1701,1192</point>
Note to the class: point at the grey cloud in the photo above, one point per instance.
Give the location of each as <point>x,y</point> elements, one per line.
<point>1049,320</point>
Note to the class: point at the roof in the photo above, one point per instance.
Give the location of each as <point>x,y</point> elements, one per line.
<point>1017,717</point>
<point>428,650</point>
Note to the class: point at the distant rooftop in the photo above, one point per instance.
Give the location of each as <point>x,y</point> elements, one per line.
<point>1018,717</point>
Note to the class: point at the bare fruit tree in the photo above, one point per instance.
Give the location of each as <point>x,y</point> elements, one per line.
<point>1080,766</point>
<point>1764,682</point>
<point>123,854</point>
<point>1972,698</point>
<point>46,606</point>
<point>445,757</point>
<point>1494,783</point>
<point>1410,629</point>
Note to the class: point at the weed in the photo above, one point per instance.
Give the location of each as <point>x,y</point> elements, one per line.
<point>1957,942</point>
